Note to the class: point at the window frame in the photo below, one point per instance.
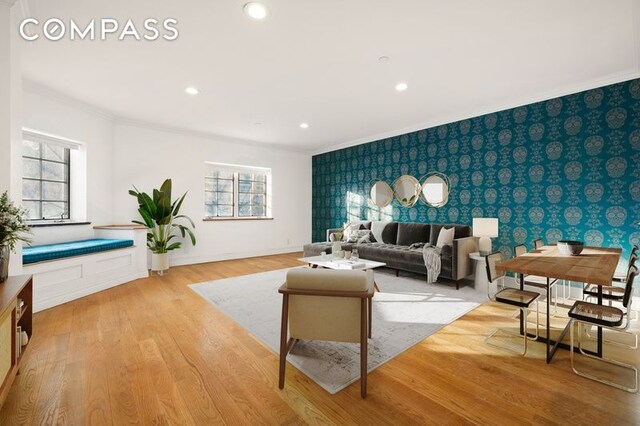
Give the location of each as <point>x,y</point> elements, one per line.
<point>41,160</point>
<point>232,192</point>
<point>77,197</point>
<point>236,171</point>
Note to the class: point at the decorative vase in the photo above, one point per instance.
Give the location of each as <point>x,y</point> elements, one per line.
<point>159,262</point>
<point>4,262</point>
<point>336,247</point>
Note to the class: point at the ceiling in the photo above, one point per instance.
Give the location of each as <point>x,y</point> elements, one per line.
<point>316,61</point>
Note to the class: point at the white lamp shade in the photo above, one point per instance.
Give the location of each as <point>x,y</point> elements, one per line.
<point>485,227</point>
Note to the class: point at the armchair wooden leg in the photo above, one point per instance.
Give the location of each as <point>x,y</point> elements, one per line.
<point>397,272</point>
<point>283,339</point>
<point>363,348</point>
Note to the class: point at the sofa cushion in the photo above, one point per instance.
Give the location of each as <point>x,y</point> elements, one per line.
<point>33,254</point>
<point>384,232</point>
<point>390,253</point>
<point>409,233</point>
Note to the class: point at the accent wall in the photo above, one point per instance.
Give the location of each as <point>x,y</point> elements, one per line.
<point>566,168</point>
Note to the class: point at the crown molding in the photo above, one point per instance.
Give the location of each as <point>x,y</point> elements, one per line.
<point>488,109</point>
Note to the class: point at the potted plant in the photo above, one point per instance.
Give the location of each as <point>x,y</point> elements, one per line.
<point>13,228</point>
<point>161,216</point>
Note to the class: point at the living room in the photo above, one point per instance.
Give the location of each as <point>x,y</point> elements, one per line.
<point>180,176</point>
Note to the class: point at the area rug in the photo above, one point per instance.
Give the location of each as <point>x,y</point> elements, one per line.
<point>405,311</point>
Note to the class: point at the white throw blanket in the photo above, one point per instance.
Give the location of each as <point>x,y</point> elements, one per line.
<point>431,257</point>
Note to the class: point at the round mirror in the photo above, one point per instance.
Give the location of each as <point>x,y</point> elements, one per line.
<point>406,190</point>
<point>380,194</point>
<point>435,189</point>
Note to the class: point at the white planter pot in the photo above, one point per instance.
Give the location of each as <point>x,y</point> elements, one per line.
<point>159,262</point>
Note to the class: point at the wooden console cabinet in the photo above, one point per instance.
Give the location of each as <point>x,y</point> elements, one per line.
<point>16,313</point>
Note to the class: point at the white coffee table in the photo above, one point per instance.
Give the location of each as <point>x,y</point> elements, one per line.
<point>331,262</point>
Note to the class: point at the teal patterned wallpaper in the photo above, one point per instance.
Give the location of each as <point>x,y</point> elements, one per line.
<point>566,168</point>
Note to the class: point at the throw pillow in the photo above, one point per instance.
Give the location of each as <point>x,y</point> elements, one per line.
<point>360,236</point>
<point>445,237</point>
<point>348,229</point>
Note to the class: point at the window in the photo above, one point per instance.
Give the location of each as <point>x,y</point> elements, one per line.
<point>237,192</point>
<point>46,180</point>
<point>218,190</point>
<point>252,194</point>
<point>54,177</point>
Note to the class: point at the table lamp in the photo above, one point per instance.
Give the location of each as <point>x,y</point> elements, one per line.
<point>485,228</point>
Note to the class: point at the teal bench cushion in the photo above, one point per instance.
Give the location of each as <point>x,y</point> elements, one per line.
<point>41,253</point>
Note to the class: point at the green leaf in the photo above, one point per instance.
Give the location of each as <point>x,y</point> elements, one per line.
<point>193,225</point>
<point>176,208</point>
<point>174,246</point>
<point>146,217</point>
<point>188,231</point>
<point>147,204</point>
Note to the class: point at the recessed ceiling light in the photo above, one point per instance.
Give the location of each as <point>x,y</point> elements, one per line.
<point>401,87</point>
<point>191,90</point>
<point>255,10</point>
<point>304,125</point>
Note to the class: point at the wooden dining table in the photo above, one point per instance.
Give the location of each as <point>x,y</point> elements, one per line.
<point>595,265</point>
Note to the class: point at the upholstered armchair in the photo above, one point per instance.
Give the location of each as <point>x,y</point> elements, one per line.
<point>325,304</point>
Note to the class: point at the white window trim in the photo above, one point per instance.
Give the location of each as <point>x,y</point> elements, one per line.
<point>77,171</point>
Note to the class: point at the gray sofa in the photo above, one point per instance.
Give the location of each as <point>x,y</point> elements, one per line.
<point>392,241</point>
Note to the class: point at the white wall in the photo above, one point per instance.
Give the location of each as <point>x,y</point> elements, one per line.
<point>120,155</point>
<point>144,157</point>
<point>51,113</point>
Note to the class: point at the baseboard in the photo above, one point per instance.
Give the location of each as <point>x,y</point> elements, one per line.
<point>192,260</point>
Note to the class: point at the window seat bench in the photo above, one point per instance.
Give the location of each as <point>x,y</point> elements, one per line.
<point>69,270</point>
<point>41,253</point>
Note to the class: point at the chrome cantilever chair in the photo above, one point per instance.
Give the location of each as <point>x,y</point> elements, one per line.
<point>607,317</point>
<point>326,304</point>
<point>521,299</point>
<point>536,281</point>
<point>613,292</point>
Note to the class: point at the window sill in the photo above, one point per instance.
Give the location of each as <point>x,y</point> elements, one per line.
<point>223,219</point>
<point>44,224</point>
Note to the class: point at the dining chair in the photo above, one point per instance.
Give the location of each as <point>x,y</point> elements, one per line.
<point>610,318</point>
<point>537,281</point>
<point>614,294</point>
<point>521,299</point>
<point>329,305</point>
<point>613,291</point>
<point>537,244</point>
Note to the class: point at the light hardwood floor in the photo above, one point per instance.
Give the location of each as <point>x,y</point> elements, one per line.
<point>154,352</point>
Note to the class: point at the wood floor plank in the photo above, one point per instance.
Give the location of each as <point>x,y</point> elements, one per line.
<point>154,352</point>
